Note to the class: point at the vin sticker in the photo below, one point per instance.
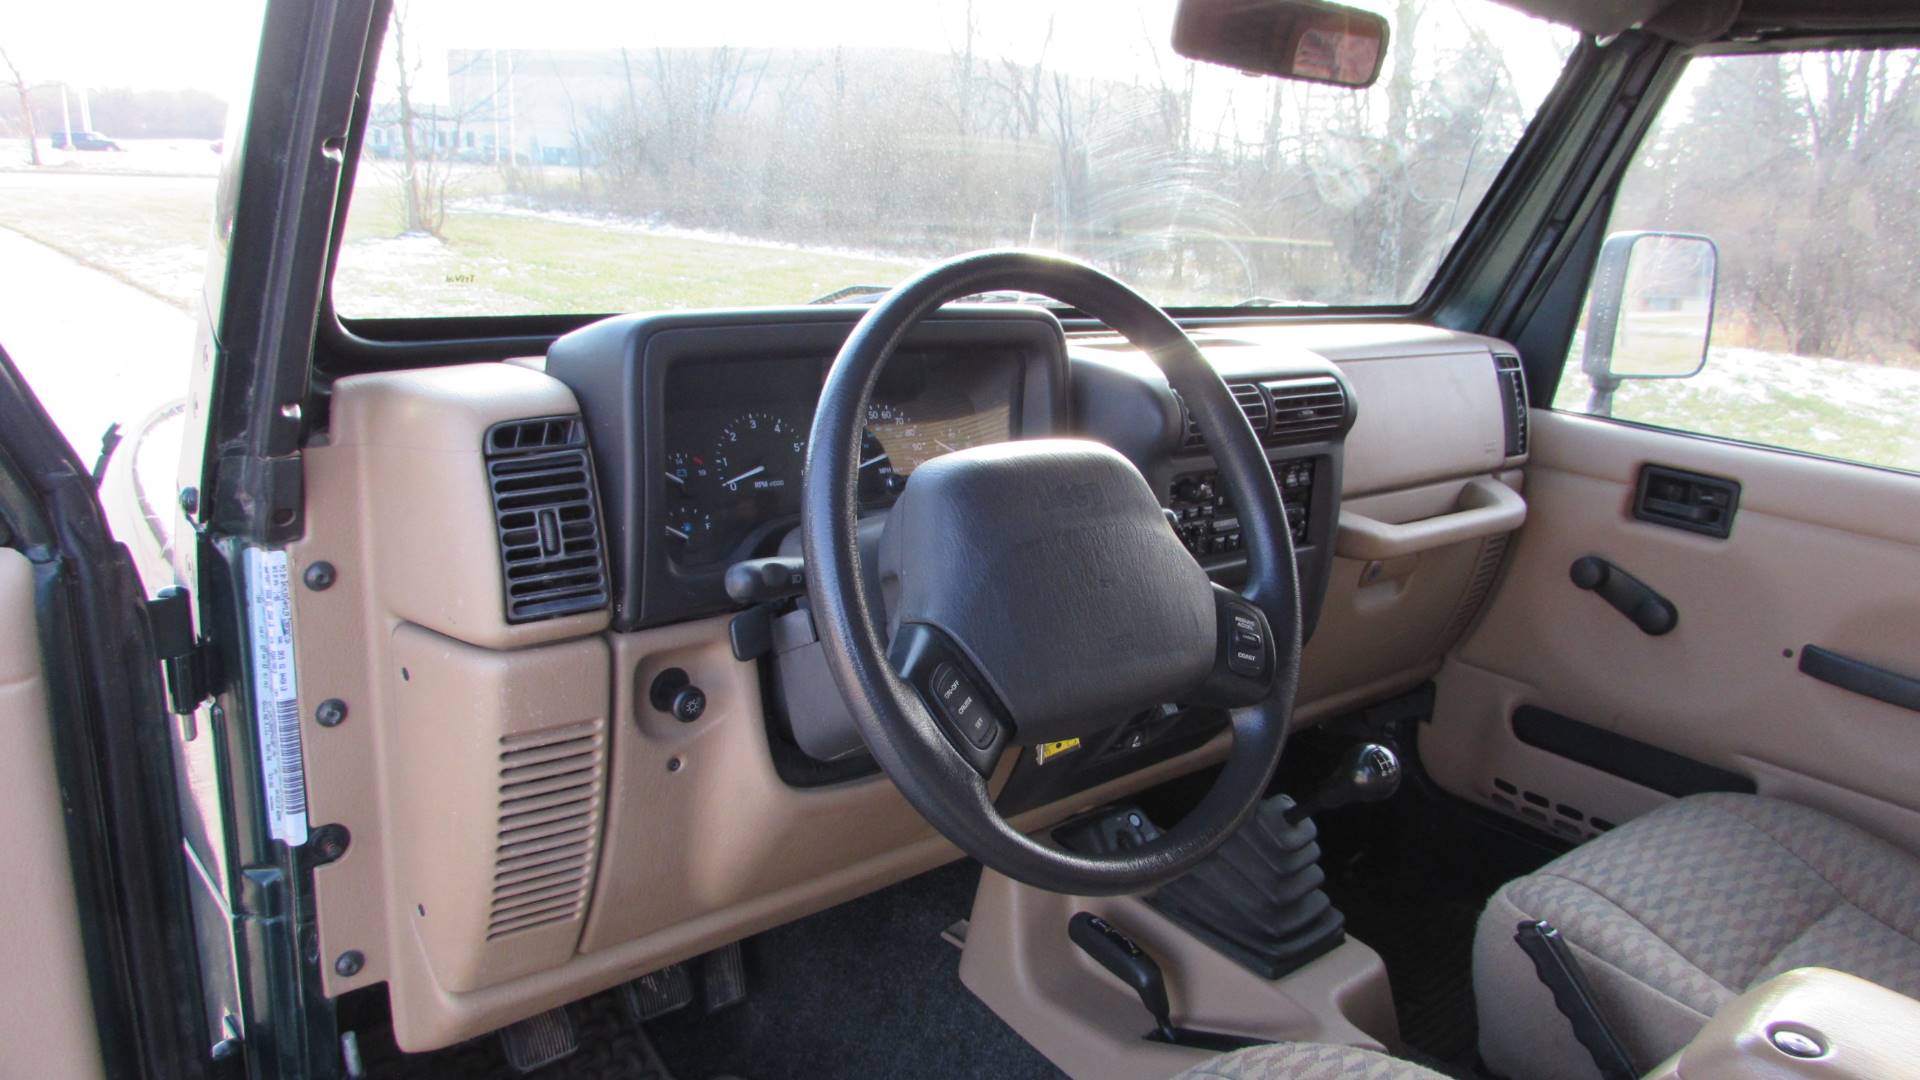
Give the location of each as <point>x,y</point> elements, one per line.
<point>276,702</point>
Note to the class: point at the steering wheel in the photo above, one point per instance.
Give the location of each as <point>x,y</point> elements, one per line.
<point>1039,594</point>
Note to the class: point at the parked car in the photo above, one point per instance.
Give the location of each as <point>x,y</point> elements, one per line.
<point>84,140</point>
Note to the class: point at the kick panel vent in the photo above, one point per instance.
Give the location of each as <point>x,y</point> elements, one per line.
<point>547,516</point>
<point>1513,402</point>
<point>549,825</point>
<point>1252,402</point>
<point>1306,410</point>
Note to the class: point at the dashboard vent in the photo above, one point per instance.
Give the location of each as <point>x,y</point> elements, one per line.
<point>547,516</point>
<point>1513,401</point>
<point>549,825</point>
<point>1306,410</point>
<point>1251,401</point>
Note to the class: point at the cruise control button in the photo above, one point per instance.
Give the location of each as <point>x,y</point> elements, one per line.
<point>961,703</point>
<point>1246,644</point>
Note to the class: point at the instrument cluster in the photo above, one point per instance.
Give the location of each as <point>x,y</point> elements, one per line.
<point>737,440</point>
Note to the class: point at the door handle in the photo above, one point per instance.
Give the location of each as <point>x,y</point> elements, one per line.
<point>1630,596</point>
<point>1860,677</point>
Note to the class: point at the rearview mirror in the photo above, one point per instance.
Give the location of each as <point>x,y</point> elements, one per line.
<point>1294,39</point>
<point>1649,312</point>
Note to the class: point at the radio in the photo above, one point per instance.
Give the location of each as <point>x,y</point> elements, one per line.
<point>1203,515</point>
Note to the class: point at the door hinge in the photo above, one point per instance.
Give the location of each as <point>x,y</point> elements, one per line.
<point>188,660</point>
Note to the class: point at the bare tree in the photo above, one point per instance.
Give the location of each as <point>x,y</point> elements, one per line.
<point>26,106</point>
<point>414,185</point>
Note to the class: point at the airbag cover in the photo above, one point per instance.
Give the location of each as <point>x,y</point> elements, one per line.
<point>1050,563</point>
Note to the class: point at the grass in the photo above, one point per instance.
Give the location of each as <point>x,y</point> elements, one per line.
<point>152,232</point>
<point>1857,412</point>
<point>497,263</point>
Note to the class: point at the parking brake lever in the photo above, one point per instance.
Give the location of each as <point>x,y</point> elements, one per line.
<point>1117,952</point>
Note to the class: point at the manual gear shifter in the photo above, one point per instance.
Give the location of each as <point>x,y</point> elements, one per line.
<point>1368,772</point>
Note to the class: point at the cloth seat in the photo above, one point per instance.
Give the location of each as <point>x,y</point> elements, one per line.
<point>1679,911</point>
<point>1307,1061</point>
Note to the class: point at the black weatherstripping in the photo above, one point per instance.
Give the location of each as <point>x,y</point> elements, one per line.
<point>1630,596</point>
<point>112,750</point>
<point>1860,677</point>
<point>1630,759</point>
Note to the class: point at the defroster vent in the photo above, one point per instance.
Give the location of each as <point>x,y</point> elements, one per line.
<point>547,515</point>
<point>1513,402</point>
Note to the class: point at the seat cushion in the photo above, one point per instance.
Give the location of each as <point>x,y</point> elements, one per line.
<point>1307,1061</point>
<point>1679,911</point>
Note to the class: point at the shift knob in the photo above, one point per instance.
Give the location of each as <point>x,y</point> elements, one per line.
<point>1368,772</point>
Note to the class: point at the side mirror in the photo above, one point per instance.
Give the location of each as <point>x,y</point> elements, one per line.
<point>1649,311</point>
<point>1294,39</point>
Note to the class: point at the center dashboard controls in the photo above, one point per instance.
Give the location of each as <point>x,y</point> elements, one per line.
<point>1203,515</point>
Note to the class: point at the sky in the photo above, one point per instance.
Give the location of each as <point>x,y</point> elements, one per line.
<point>209,44</point>
<point>135,44</point>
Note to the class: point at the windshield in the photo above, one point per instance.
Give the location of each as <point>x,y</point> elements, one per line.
<point>572,157</point>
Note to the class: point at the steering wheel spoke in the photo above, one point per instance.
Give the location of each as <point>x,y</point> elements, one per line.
<point>954,694</point>
<point>1243,664</point>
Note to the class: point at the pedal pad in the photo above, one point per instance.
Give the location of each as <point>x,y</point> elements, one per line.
<point>539,1041</point>
<point>658,993</point>
<point>723,978</point>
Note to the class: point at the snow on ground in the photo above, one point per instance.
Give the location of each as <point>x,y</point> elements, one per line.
<point>505,207</point>
<point>95,350</point>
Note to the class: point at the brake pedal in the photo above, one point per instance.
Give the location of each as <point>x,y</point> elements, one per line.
<point>723,978</point>
<point>539,1041</point>
<point>658,993</point>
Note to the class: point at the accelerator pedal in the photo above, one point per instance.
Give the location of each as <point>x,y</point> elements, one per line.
<point>539,1041</point>
<point>658,993</point>
<point>723,978</point>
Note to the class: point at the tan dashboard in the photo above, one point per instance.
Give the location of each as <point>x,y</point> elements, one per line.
<point>527,827</point>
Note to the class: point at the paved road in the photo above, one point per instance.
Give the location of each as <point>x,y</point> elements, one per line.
<point>94,349</point>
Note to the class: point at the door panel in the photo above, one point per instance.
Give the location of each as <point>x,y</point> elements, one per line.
<point>1821,552</point>
<point>46,1011</point>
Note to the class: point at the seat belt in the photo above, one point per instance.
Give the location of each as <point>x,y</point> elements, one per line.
<point>1557,967</point>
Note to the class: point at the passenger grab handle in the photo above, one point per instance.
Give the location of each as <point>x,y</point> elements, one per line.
<point>1487,507</point>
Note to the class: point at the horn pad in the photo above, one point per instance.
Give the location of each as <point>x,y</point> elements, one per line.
<point>1050,564</point>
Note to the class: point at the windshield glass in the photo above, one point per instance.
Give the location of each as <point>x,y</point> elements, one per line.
<point>575,157</point>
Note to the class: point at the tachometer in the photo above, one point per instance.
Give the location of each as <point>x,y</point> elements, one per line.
<point>759,453</point>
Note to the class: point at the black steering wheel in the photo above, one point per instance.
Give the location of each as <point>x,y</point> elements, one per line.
<point>1038,594</point>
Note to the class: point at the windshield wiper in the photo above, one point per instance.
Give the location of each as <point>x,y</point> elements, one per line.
<point>1274,301</point>
<point>867,294</point>
<point>852,292</point>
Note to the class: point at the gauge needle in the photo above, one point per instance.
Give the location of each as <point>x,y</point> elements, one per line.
<point>875,460</point>
<point>755,471</point>
<point>681,480</point>
<point>943,446</point>
<point>682,534</point>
